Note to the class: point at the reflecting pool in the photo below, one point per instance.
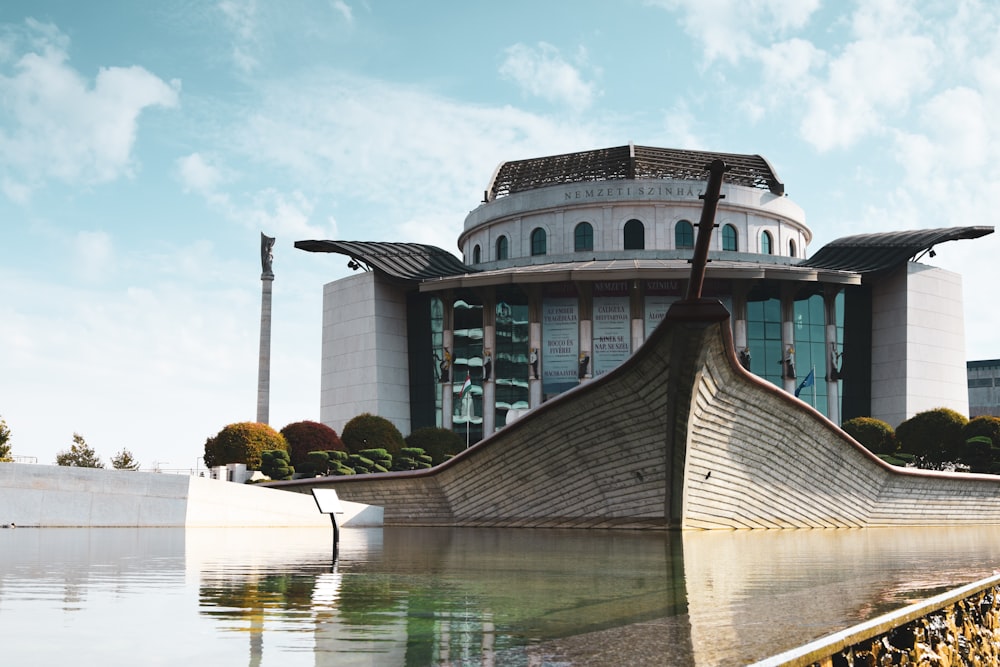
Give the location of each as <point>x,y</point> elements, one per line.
<point>427,596</point>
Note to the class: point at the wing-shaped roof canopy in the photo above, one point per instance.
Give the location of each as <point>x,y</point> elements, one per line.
<point>629,162</point>
<point>402,261</point>
<point>870,253</point>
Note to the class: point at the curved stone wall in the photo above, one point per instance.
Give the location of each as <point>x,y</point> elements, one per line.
<point>608,205</point>
<point>678,436</point>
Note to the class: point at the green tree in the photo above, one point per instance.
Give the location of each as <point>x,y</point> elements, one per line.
<point>275,464</point>
<point>933,436</point>
<point>367,431</point>
<point>876,435</point>
<point>309,436</point>
<point>124,460</point>
<point>79,455</point>
<point>438,443</point>
<point>5,455</point>
<point>242,442</point>
<point>980,428</point>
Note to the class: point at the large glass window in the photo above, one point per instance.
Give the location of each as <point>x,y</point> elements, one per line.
<point>538,241</point>
<point>684,235</point>
<point>766,243</point>
<point>511,357</point>
<point>730,239</point>
<point>467,361</point>
<point>502,247</point>
<point>811,349</point>
<point>635,235</point>
<point>583,237</point>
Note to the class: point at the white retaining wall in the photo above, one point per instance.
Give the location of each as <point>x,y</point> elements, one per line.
<point>57,496</point>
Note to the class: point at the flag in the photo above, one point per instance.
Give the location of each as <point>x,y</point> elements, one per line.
<point>467,386</point>
<point>808,382</point>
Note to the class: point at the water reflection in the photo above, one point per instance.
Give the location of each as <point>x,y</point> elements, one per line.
<point>424,596</point>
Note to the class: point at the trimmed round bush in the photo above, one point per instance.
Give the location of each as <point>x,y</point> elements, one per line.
<point>438,443</point>
<point>933,435</point>
<point>274,464</point>
<point>309,436</point>
<point>242,443</point>
<point>978,453</point>
<point>876,435</point>
<point>984,425</point>
<point>368,431</point>
<point>412,458</point>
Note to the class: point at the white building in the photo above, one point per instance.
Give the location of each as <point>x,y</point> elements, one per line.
<point>571,260</point>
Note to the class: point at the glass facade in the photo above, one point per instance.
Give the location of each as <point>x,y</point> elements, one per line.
<point>510,365</point>
<point>510,359</point>
<point>467,362</point>
<point>766,354</point>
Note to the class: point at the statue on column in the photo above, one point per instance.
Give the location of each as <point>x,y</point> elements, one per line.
<point>266,253</point>
<point>788,361</point>
<point>444,365</point>
<point>745,358</point>
<point>533,361</point>
<point>835,357</point>
<point>487,365</point>
<point>583,362</point>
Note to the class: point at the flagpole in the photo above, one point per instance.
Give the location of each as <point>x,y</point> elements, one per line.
<point>814,384</point>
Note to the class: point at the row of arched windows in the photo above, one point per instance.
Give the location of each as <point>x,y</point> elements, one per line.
<point>633,237</point>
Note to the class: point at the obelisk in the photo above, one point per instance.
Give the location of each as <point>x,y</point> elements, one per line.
<point>264,362</point>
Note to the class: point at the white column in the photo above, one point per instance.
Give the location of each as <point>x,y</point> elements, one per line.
<point>833,356</point>
<point>789,380</point>
<point>264,360</point>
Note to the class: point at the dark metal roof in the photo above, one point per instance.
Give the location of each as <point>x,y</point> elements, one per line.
<point>404,261</point>
<point>629,162</point>
<point>868,253</point>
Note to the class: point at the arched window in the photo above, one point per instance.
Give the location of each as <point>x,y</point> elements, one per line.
<point>477,254</point>
<point>502,247</point>
<point>791,248</point>
<point>730,239</point>
<point>583,237</point>
<point>635,235</point>
<point>684,235</point>
<point>766,243</point>
<point>538,241</point>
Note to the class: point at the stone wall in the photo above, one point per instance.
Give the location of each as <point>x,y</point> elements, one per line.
<point>58,496</point>
<point>961,627</point>
<point>678,436</point>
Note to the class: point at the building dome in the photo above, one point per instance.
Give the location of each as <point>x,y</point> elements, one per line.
<point>628,202</point>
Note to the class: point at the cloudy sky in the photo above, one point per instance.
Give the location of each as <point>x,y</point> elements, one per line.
<point>144,147</point>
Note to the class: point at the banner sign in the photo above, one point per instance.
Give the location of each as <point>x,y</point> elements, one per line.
<point>560,344</point>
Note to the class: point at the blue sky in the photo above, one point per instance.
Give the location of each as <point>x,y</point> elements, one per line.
<point>145,146</point>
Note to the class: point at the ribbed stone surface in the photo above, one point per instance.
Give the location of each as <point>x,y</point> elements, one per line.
<point>678,436</point>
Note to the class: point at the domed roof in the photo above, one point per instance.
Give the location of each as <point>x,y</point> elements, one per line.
<point>629,162</point>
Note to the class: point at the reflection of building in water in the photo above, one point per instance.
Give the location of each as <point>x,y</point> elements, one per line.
<point>584,253</point>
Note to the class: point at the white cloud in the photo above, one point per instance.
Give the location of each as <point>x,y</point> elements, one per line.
<point>731,30</point>
<point>870,82</point>
<point>65,129</point>
<point>197,174</point>
<point>344,9</point>
<point>542,72</point>
<point>241,19</point>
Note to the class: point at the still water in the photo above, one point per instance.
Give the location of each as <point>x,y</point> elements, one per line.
<point>415,597</point>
